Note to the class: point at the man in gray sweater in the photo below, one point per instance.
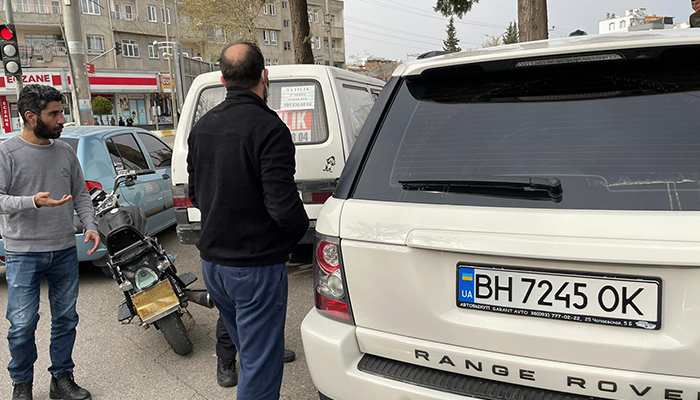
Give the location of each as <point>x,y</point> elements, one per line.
<point>41,183</point>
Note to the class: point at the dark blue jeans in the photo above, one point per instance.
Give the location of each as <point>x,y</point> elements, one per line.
<point>253,304</point>
<point>24,274</point>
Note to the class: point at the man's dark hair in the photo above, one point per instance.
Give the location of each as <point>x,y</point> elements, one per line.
<point>245,71</point>
<point>35,98</point>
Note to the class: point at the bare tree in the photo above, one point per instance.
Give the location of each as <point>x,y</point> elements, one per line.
<point>301,36</point>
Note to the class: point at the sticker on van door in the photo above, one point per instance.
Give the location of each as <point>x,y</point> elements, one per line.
<point>330,163</point>
<point>298,98</point>
<point>299,124</point>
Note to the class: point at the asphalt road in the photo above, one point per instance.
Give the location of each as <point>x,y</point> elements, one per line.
<point>118,362</point>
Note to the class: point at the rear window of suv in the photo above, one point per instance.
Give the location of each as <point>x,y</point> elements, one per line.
<point>619,135</point>
<point>298,103</point>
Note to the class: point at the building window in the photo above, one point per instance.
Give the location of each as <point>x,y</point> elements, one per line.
<point>612,26</point>
<point>128,12</point>
<point>40,42</point>
<point>130,48</point>
<point>268,62</point>
<point>117,14</point>
<point>286,23</point>
<point>285,4</point>
<point>165,14</point>
<point>91,7</point>
<point>266,37</point>
<point>273,9</point>
<point>317,39</point>
<point>152,52</point>
<point>623,24</point>
<point>152,17</point>
<point>273,38</point>
<point>276,62</point>
<point>287,45</point>
<point>264,9</point>
<point>95,44</point>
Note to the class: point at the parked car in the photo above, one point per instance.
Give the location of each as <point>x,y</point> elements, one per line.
<point>324,108</point>
<point>518,222</point>
<point>102,151</point>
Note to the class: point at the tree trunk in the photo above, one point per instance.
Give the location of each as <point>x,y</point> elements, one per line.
<point>532,15</point>
<point>300,32</point>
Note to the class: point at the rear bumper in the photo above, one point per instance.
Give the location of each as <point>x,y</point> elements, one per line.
<point>332,355</point>
<point>334,352</point>
<point>190,233</point>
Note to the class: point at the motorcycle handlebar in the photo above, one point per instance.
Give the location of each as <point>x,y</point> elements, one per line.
<point>145,172</point>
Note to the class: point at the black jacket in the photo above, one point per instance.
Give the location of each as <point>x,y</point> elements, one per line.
<point>241,177</point>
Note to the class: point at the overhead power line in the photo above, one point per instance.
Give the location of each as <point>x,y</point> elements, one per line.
<point>376,26</point>
<point>387,42</point>
<point>405,9</point>
<point>434,43</point>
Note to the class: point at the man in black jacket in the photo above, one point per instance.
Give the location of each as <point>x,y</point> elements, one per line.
<point>241,177</point>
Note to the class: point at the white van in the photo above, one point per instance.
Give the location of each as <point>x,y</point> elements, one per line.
<point>325,109</point>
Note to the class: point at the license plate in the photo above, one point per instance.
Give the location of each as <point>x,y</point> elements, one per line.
<point>155,300</point>
<point>633,302</point>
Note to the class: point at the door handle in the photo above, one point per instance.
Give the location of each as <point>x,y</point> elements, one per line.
<point>166,176</point>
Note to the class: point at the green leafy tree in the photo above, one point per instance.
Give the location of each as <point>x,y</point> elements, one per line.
<point>452,42</point>
<point>511,36</point>
<point>532,16</point>
<point>101,106</point>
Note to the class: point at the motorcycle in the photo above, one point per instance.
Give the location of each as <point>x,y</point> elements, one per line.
<point>153,291</point>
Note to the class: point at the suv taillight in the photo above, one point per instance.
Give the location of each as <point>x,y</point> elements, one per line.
<point>330,288</point>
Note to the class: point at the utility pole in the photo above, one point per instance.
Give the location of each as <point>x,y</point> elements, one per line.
<point>327,20</point>
<point>9,16</point>
<point>173,90</point>
<point>77,59</point>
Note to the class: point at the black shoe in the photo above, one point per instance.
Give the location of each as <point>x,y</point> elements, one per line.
<point>226,375</point>
<point>64,387</point>
<point>22,391</point>
<point>289,356</point>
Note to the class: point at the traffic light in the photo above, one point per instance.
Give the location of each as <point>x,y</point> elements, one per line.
<point>118,48</point>
<point>10,51</point>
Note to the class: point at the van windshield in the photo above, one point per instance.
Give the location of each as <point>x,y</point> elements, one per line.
<point>619,135</point>
<point>298,103</point>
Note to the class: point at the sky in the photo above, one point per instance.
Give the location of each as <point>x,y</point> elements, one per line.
<point>401,29</point>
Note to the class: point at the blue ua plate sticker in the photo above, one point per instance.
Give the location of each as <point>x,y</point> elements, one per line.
<point>466,285</point>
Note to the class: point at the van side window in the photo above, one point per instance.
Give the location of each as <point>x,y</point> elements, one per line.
<point>210,98</point>
<point>358,101</point>
<point>300,105</point>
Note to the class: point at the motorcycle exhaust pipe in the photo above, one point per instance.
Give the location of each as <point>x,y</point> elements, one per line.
<point>200,297</point>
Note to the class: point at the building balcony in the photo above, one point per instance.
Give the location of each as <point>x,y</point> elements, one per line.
<point>34,14</point>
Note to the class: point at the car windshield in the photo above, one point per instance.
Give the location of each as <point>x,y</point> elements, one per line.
<point>620,135</point>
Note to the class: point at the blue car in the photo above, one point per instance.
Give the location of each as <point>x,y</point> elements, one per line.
<point>102,150</point>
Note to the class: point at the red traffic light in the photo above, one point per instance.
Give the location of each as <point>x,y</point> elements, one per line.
<point>7,34</point>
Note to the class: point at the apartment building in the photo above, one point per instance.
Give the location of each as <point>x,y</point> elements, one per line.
<point>274,33</point>
<point>126,79</point>
<point>132,26</point>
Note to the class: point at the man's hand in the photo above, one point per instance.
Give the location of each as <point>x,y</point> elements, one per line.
<point>43,199</point>
<point>93,237</point>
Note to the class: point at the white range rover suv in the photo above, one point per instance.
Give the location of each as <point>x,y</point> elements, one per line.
<point>520,222</point>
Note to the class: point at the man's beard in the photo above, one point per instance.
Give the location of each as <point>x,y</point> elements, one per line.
<point>41,130</point>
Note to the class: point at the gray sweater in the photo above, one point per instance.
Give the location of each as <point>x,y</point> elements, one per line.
<point>27,169</point>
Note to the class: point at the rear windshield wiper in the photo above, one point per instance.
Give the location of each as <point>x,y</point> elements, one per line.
<point>507,186</point>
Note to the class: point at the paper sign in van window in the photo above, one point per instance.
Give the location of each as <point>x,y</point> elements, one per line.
<point>298,98</point>
<point>299,123</point>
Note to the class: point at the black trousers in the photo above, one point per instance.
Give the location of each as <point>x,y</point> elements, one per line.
<point>225,349</point>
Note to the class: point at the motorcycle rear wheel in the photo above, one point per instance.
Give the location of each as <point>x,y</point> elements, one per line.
<point>175,333</point>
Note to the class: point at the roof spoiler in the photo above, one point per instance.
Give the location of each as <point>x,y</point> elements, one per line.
<point>432,54</point>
